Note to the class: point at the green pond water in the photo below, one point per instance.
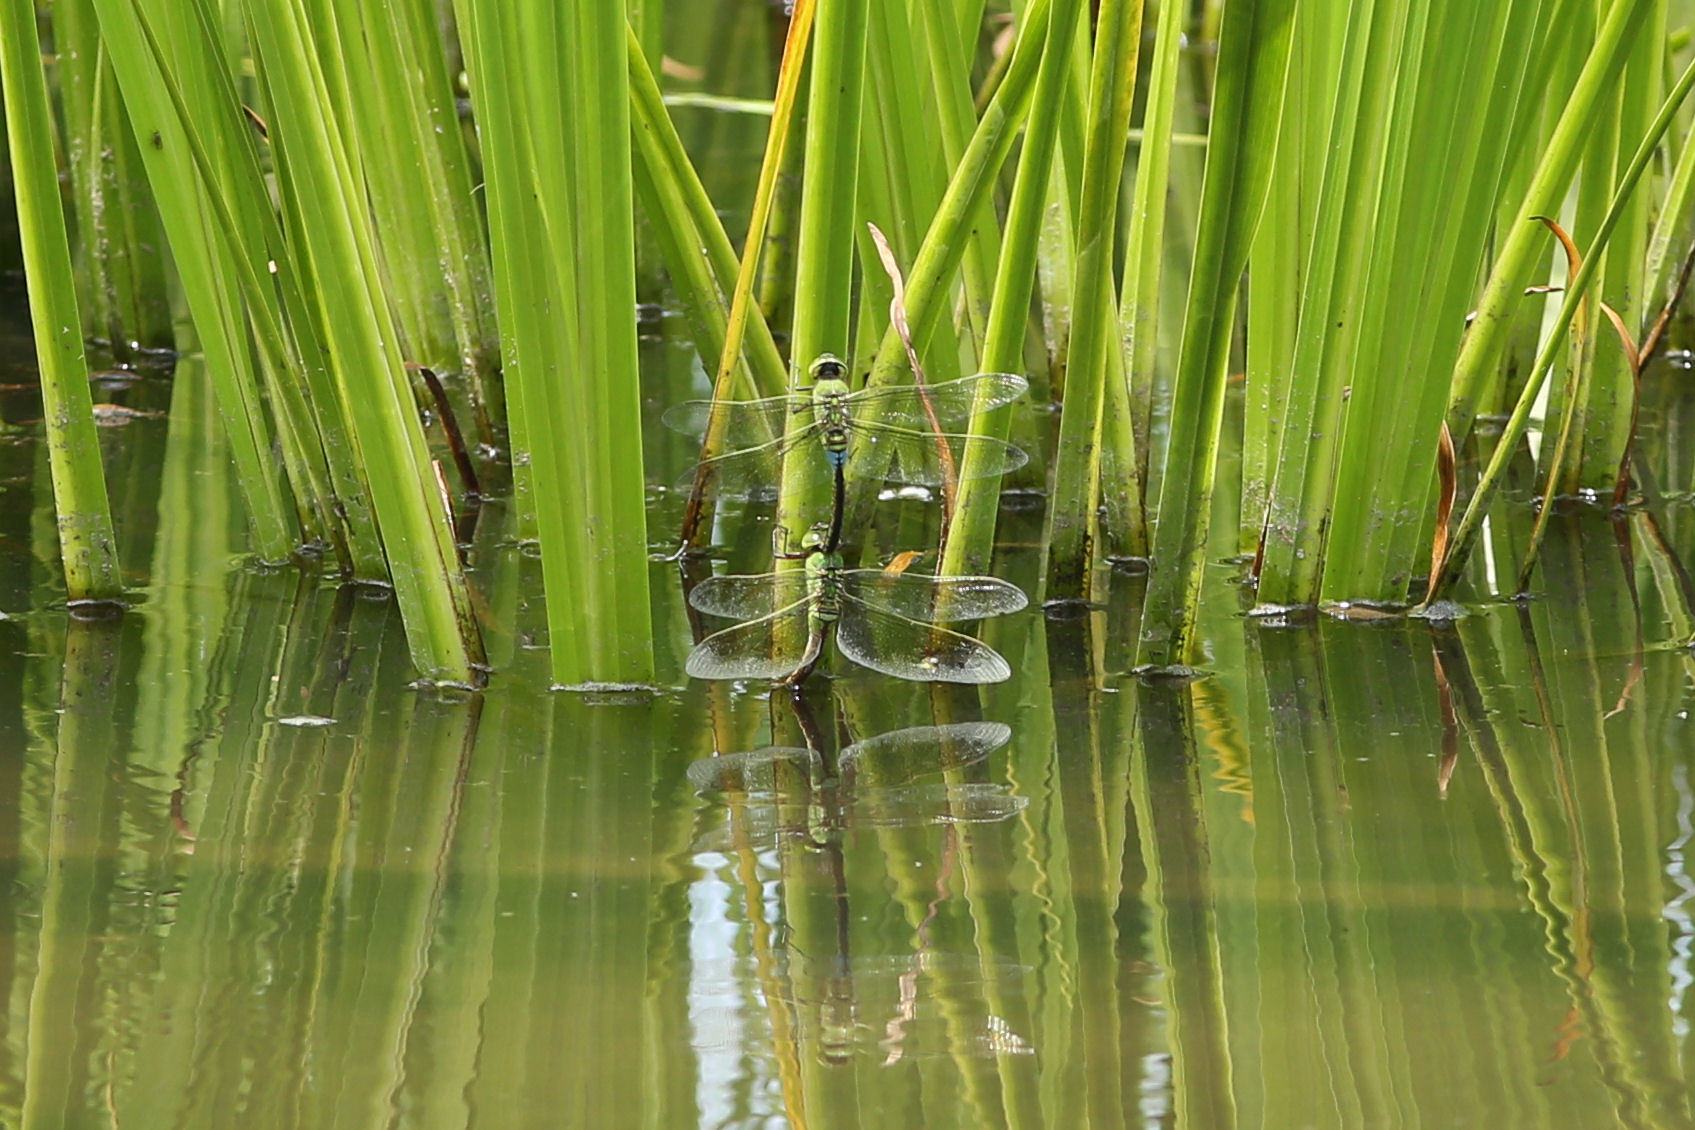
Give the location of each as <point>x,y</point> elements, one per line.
<point>1366,874</point>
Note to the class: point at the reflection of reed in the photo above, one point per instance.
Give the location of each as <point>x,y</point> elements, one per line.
<point>438,913</point>
<point>81,832</point>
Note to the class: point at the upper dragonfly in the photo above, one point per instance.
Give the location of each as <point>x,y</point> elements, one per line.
<point>903,420</point>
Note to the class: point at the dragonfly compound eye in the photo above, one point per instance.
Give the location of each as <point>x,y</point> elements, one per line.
<point>827,367</point>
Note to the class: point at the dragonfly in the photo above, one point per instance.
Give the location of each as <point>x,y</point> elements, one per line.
<point>905,421</point>
<point>885,621</point>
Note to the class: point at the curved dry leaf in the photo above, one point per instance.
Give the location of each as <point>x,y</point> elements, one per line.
<point>1447,485</point>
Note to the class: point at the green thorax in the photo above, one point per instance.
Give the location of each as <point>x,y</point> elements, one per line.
<point>824,585</point>
<point>830,412</point>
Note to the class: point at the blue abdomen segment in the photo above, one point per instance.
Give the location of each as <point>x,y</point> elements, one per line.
<point>837,459</point>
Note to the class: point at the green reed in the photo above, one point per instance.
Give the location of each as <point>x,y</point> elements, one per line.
<point>1370,175</point>
<point>86,540</point>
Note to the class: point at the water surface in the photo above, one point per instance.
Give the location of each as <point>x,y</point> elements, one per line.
<point>1366,874</point>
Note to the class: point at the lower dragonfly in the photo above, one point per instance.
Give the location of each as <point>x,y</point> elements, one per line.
<point>885,621</point>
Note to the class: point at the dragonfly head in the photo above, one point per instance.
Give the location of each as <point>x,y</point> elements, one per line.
<point>816,537</point>
<point>828,367</point>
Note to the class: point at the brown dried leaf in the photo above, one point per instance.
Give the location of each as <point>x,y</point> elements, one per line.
<point>1447,485</point>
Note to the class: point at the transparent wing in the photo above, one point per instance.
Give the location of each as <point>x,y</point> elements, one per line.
<point>935,600</point>
<point>760,827</point>
<point>894,645</point>
<point>747,423</point>
<point>914,456</point>
<point>753,472</point>
<point>901,756</point>
<point>938,803</point>
<point>768,772</point>
<point>953,401</point>
<point>747,597</point>
<point>770,647</point>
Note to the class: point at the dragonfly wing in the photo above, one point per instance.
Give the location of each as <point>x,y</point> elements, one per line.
<point>747,423</point>
<point>953,402</point>
<point>742,597</point>
<point>768,772</point>
<point>937,803</point>
<point>759,827</point>
<point>915,456</point>
<point>901,756</point>
<point>753,472</point>
<point>935,600</point>
<point>770,647</point>
<point>906,649</point>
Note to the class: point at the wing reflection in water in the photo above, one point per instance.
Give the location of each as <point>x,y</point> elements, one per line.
<point>819,1000</point>
<point>889,1007</point>
<point>786,791</point>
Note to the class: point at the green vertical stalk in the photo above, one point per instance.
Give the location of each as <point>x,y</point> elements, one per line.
<point>338,244</point>
<point>1524,241</point>
<point>121,261</point>
<point>421,192</point>
<point>1612,384</point>
<point>557,159</point>
<point>1247,106</point>
<point>1298,504</point>
<point>929,283</point>
<point>205,172</point>
<point>1138,300</point>
<point>1277,263</point>
<point>86,543</point>
<point>1674,228</point>
<point>603,211</point>
<point>698,251</point>
<point>948,62</point>
<point>825,256</point>
<point>1422,285</point>
<point>1077,481</point>
<point>1513,432</point>
<point>970,544</point>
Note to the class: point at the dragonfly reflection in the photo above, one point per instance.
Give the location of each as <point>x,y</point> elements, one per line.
<point>784,792</point>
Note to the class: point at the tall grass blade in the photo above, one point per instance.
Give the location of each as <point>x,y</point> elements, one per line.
<point>421,192</point>
<point>764,197</point>
<point>1077,470</point>
<point>1247,105</point>
<point>219,259</point>
<point>702,261</point>
<point>338,244</point>
<point>558,162</point>
<point>1516,261</point>
<point>1513,432</point>
<point>87,545</point>
<point>121,262</point>
<point>969,547</point>
<point>1298,506</point>
<point>1138,300</point>
<point>930,279</point>
<point>1423,279</point>
<point>825,256</point>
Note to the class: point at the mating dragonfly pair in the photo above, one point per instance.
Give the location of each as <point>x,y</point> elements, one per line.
<point>888,622</point>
